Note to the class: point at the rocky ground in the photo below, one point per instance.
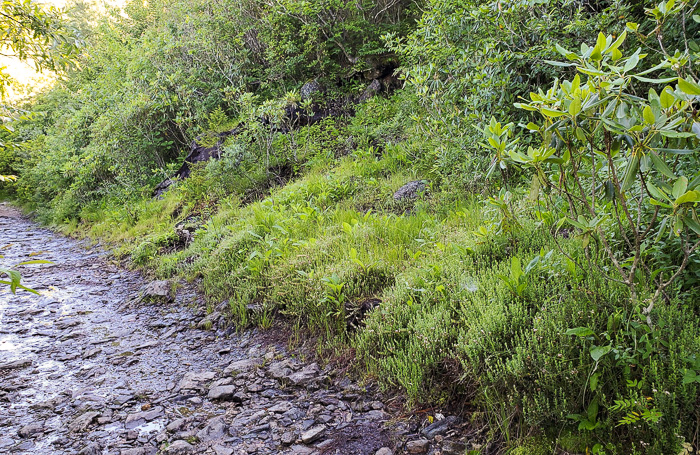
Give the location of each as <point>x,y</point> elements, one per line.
<point>103,363</point>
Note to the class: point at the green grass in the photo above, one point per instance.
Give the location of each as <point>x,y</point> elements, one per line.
<point>455,323</point>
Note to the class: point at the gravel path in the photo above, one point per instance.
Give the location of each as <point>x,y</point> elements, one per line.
<point>89,368</point>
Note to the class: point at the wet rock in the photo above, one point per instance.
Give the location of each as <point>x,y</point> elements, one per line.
<point>312,434</point>
<point>155,292</point>
<point>82,422</point>
<point>222,450</point>
<point>91,449</point>
<point>176,425</point>
<point>288,438</point>
<point>195,380</point>
<point>411,190</point>
<point>384,451</point>
<point>305,375</point>
<point>30,430</point>
<point>281,407</point>
<point>454,448</point>
<point>418,446</point>
<point>440,427</point>
<point>209,321</point>
<point>215,429</point>
<point>222,392</point>
<point>302,450</point>
<point>16,364</point>
<point>280,370</point>
<point>241,366</point>
<point>139,418</point>
<point>179,447</point>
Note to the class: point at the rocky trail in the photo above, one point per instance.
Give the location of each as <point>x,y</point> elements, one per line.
<point>90,367</point>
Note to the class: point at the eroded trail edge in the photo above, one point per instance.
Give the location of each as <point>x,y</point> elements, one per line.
<point>81,372</point>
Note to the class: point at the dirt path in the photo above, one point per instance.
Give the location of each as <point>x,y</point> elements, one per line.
<point>81,372</point>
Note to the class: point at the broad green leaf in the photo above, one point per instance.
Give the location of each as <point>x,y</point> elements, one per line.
<point>631,62</point>
<point>690,376</point>
<point>680,187</point>
<point>575,106</point>
<point>687,197</point>
<point>692,224</point>
<point>689,87</point>
<point>618,42</point>
<point>551,112</point>
<point>661,166</point>
<point>597,352</point>
<point>653,201</point>
<point>648,115</point>
<point>667,97</point>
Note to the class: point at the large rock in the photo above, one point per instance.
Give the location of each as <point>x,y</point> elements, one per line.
<point>311,90</point>
<point>411,190</point>
<point>160,291</point>
<point>16,364</point>
<point>30,430</point>
<point>179,448</point>
<point>222,392</point>
<point>440,426</point>
<point>82,422</point>
<point>139,418</point>
<point>313,433</point>
<point>216,429</point>
<point>195,380</point>
<point>157,291</point>
<point>280,370</point>
<point>418,446</point>
<point>306,374</point>
<point>241,366</point>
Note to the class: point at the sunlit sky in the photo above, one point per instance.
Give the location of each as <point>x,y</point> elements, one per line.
<point>24,72</point>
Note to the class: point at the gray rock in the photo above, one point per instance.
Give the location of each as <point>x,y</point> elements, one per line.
<point>418,446</point>
<point>195,380</point>
<point>241,366</point>
<point>305,375</point>
<point>302,450</point>
<point>310,90</point>
<point>30,430</point>
<point>288,438</point>
<point>384,451</point>
<point>158,290</point>
<point>280,370</point>
<point>411,190</point>
<point>313,433</point>
<point>372,90</point>
<point>179,447</point>
<point>14,365</point>
<point>135,451</point>
<point>222,392</point>
<point>91,449</point>
<point>82,422</point>
<point>454,448</point>
<point>222,450</point>
<point>139,418</point>
<point>439,427</point>
<point>216,429</point>
<point>209,321</point>
<point>281,407</point>
<point>176,425</point>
